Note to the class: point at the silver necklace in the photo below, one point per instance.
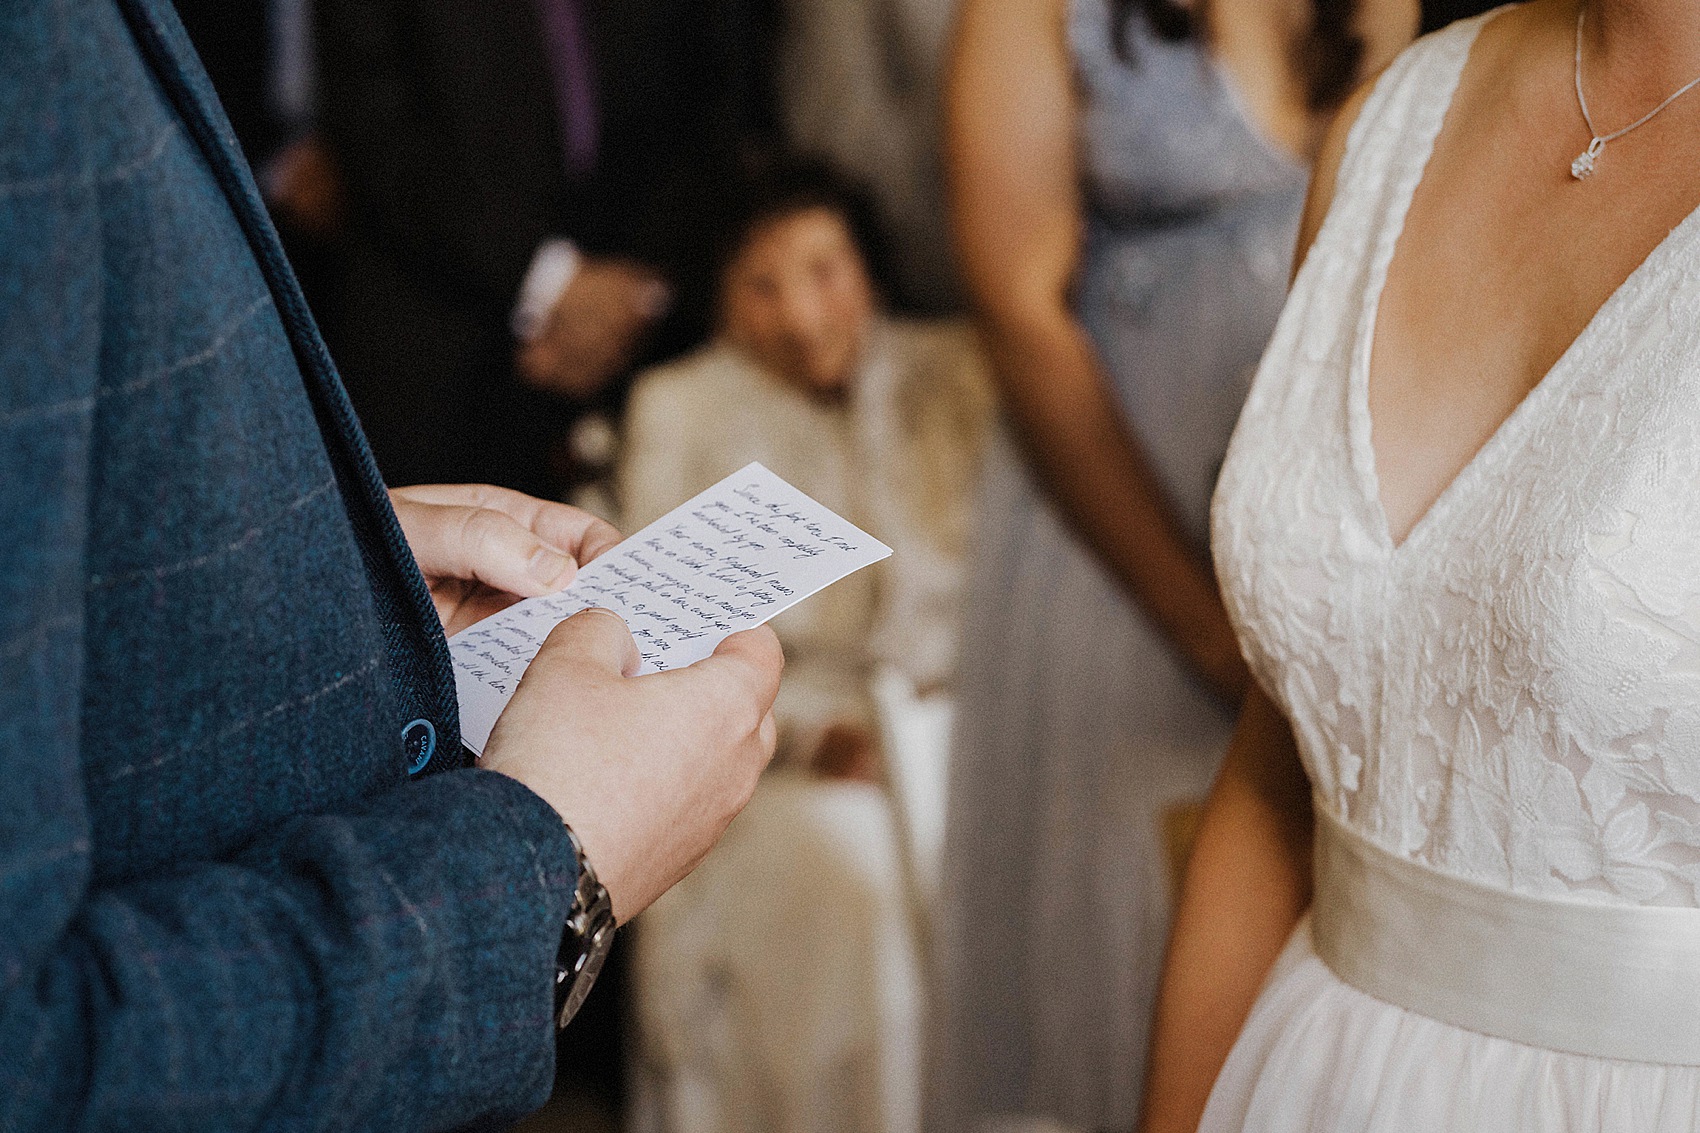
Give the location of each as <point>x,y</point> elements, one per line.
<point>1583,166</point>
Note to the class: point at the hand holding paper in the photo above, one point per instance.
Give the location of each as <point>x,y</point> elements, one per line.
<point>481,547</point>
<point>727,560</point>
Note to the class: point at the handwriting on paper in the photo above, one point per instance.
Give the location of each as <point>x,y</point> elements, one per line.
<point>727,560</point>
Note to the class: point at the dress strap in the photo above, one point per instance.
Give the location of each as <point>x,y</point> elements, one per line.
<point>1387,151</point>
<point>1389,144</point>
<point>1607,981</point>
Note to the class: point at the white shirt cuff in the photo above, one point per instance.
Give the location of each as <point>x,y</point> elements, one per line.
<point>552,269</point>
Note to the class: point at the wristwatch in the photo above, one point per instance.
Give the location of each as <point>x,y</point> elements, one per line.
<point>585,940</point>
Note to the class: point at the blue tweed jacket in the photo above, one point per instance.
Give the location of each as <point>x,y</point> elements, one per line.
<point>224,901</point>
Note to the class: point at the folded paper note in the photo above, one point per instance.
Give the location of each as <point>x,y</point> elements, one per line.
<point>726,560</point>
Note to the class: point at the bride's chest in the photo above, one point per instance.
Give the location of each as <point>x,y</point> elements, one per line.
<point>1561,571</point>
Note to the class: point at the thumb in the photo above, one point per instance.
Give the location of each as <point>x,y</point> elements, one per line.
<point>752,661</point>
<point>595,638</point>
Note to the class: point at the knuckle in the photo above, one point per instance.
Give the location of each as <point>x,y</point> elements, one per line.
<point>746,790</point>
<point>721,715</point>
<point>485,529</point>
<point>746,712</point>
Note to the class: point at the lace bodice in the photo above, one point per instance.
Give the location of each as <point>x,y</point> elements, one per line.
<point>1513,693</point>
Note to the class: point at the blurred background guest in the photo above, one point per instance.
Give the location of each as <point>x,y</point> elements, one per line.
<point>781,990</point>
<point>1126,177</point>
<point>879,418</point>
<point>526,181</point>
<point>858,85</point>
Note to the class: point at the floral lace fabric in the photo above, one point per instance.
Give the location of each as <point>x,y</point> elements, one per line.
<point>1513,693</point>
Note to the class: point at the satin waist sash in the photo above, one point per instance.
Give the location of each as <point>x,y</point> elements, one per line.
<point>1609,981</point>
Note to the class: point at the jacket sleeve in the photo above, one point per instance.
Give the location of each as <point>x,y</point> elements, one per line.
<point>384,968</point>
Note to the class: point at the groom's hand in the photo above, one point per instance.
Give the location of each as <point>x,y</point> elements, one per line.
<point>648,771</point>
<point>482,548</point>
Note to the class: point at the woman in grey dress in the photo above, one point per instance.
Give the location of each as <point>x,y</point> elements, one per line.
<point>1126,180</point>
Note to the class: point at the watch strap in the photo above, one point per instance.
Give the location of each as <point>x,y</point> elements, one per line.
<point>585,938</point>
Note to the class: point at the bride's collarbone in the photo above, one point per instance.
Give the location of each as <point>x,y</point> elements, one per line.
<point>1503,262</point>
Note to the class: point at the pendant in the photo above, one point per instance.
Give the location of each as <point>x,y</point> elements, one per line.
<point>1583,167</point>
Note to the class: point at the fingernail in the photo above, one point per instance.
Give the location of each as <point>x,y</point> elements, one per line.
<point>547,566</point>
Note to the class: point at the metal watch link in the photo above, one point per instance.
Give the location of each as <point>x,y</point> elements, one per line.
<point>585,940</point>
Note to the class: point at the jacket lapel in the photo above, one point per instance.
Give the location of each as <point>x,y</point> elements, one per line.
<point>419,655</point>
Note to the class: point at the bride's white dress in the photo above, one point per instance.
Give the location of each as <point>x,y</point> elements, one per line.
<point>1507,704</point>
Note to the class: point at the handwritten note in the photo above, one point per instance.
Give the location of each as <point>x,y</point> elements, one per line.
<point>729,559</point>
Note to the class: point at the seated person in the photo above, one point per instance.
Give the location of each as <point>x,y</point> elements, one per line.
<point>780,990</point>
<point>879,418</point>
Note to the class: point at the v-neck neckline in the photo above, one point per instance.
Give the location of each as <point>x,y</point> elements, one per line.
<point>1359,420</point>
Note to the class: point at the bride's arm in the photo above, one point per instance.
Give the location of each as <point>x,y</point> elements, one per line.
<point>1009,145</point>
<point>1246,887</point>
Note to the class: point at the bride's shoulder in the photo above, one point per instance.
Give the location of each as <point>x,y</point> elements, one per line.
<point>1383,99</point>
<point>1326,173</point>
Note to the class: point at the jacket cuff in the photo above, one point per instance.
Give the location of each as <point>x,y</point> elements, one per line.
<point>489,873</point>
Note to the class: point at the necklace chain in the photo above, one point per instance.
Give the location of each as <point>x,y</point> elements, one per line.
<point>1583,166</point>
